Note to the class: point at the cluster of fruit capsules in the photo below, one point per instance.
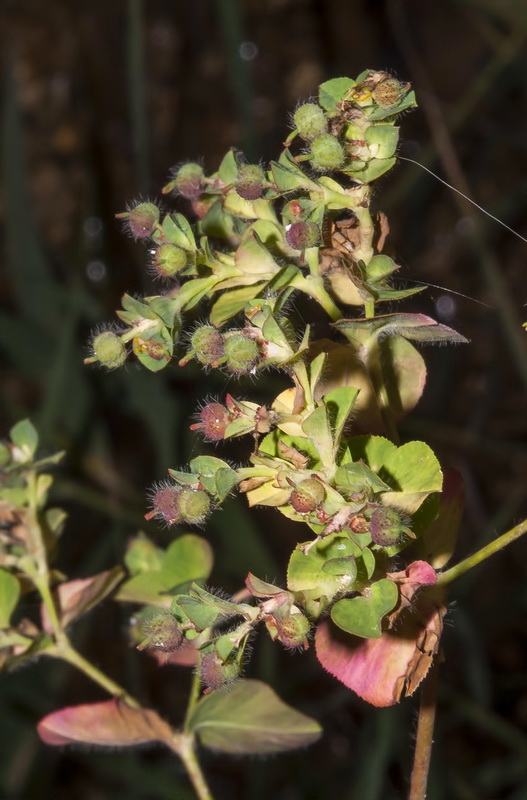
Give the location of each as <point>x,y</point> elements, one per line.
<point>234,349</point>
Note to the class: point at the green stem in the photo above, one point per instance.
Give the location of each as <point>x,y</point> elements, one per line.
<point>476,558</point>
<point>314,287</point>
<point>68,653</point>
<point>184,746</point>
<point>193,697</point>
<point>369,309</point>
<point>374,366</point>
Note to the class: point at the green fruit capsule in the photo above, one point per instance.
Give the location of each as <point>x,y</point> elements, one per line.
<point>327,152</point>
<point>141,220</point>
<point>207,344</point>
<point>193,506</point>
<point>310,121</point>
<point>189,181</point>
<point>109,350</point>
<point>241,353</point>
<point>250,182</point>
<point>168,260</point>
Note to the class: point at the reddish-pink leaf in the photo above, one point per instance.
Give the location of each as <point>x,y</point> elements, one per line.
<point>110,723</point>
<point>383,670</point>
<point>76,597</point>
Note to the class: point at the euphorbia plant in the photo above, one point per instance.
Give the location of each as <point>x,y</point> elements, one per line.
<point>376,519</point>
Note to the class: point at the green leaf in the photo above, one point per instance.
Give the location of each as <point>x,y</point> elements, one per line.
<point>306,572</point>
<point>316,427</point>
<point>201,615</point>
<point>177,230</point>
<point>228,169</point>
<point>407,102</point>
<point>373,170</point>
<point>362,616</point>
<point>166,309</point>
<point>414,472</point>
<point>194,290</point>
<point>9,594</point>
<point>188,558</point>
<point>382,140</point>
<point>139,309</point>
<point>269,446</point>
<point>333,92</point>
<point>380,267</point>
<point>250,718</point>
<point>374,450</point>
<point>356,476</point>
<point>232,302</point>
<point>25,437</point>
<point>339,404</point>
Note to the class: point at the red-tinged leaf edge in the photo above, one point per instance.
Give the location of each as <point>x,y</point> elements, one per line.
<point>75,598</point>
<point>111,723</point>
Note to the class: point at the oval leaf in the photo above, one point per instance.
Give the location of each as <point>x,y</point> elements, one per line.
<point>9,594</point>
<point>251,718</point>
<point>110,723</point>
<point>77,597</point>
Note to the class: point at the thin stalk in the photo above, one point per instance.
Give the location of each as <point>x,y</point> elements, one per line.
<point>425,736</point>
<point>184,746</point>
<point>193,697</point>
<point>480,555</point>
<point>68,653</point>
<point>374,366</point>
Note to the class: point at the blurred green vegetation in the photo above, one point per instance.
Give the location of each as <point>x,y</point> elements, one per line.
<point>98,101</point>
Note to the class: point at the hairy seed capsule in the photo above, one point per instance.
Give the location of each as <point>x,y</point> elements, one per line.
<point>326,152</point>
<point>250,181</point>
<point>215,673</point>
<point>310,121</point>
<point>214,418</point>
<point>307,496</point>
<point>292,631</point>
<point>386,527</point>
<point>388,93</point>
<point>168,260</point>
<point>207,342</point>
<point>165,503</point>
<point>189,181</point>
<point>193,506</point>
<point>241,353</point>
<point>161,632</point>
<point>301,235</point>
<point>142,220</point>
<point>109,350</point>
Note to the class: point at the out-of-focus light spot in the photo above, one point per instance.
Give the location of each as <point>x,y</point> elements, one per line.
<point>248,51</point>
<point>446,307</point>
<point>96,271</point>
<point>92,227</point>
<point>465,226</point>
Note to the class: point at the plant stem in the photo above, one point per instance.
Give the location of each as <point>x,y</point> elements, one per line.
<point>68,653</point>
<point>425,736</point>
<point>480,555</point>
<point>193,696</point>
<point>183,745</point>
<point>374,366</point>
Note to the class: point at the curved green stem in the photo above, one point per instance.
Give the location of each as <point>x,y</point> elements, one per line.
<point>476,558</point>
<point>184,746</point>
<point>68,653</point>
<point>193,697</point>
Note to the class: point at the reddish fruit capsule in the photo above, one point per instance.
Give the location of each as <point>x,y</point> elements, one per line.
<point>301,235</point>
<point>250,182</point>
<point>214,418</point>
<point>307,496</point>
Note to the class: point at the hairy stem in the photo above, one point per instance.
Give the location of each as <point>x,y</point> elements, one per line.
<point>480,555</point>
<point>425,736</point>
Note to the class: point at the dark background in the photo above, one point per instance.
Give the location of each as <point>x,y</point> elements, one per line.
<point>99,100</point>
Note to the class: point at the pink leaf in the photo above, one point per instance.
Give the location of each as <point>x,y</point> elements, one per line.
<point>383,670</point>
<point>77,597</point>
<point>109,723</point>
